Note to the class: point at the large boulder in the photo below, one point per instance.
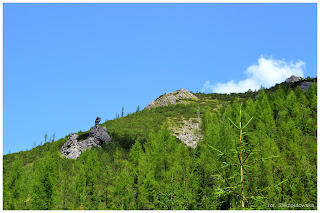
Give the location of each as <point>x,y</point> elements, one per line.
<point>100,134</point>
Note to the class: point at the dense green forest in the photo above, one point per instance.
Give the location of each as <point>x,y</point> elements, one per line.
<point>145,167</point>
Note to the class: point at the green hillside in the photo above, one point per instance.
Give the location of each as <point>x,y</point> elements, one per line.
<point>146,167</point>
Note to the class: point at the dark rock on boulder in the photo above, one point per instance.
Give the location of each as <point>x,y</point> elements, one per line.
<point>97,121</point>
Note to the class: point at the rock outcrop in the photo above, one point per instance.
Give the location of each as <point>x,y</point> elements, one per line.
<point>99,133</point>
<point>73,149</point>
<point>172,98</point>
<point>305,85</point>
<point>188,130</point>
<point>293,79</point>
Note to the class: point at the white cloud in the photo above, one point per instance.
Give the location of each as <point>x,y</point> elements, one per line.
<point>266,73</point>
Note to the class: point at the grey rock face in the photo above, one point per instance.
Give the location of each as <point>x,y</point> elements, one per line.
<point>73,136</point>
<point>188,131</point>
<point>73,149</point>
<point>293,79</point>
<point>172,98</point>
<point>305,85</point>
<point>100,134</point>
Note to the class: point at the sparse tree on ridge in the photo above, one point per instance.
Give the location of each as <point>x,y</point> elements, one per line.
<point>122,112</point>
<point>45,137</point>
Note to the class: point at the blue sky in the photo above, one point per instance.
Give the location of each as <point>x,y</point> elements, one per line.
<point>66,64</point>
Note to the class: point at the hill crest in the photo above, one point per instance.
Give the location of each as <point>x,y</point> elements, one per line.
<point>171,98</point>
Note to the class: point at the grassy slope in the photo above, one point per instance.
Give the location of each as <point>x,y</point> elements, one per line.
<point>137,126</point>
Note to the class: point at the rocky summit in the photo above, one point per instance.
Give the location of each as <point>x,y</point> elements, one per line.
<point>305,85</point>
<point>73,149</point>
<point>172,98</point>
<point>293,79</point>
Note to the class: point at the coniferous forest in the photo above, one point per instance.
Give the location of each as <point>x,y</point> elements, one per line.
<point>146,167</point>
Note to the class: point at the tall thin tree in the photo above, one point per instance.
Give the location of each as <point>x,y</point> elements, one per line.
<point>122,112</point>
<point>243,154</point>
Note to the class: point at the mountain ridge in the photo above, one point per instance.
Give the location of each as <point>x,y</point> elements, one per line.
<point>151,161</point>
